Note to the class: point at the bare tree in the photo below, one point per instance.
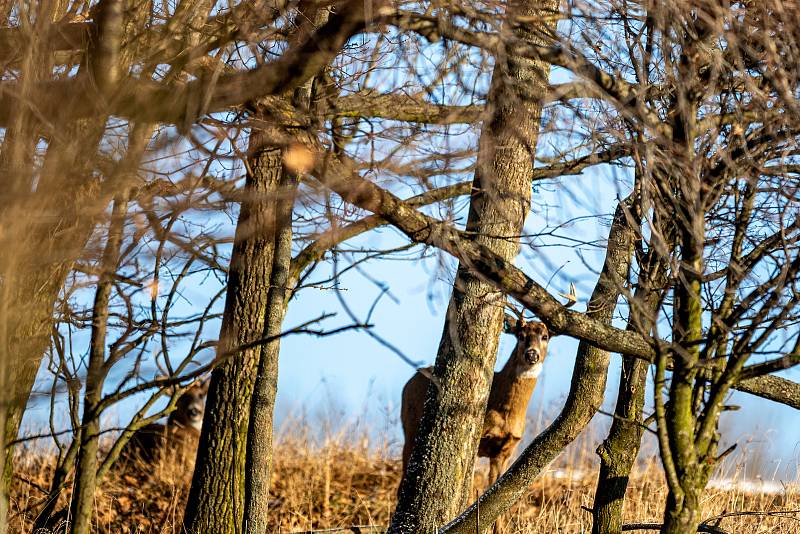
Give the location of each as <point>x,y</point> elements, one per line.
<point>334,117</point>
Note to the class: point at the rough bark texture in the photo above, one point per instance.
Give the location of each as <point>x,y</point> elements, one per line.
<point>85,475</point>
<point>217,495</point>
<point>259,443</point>
<point>46,221</point>
<point>685,473</point>
<point>19,342</point>
<point>773,388</point>
<point>439,477</point>
<point>63,211</point>
<point>619,450</point>
<point>585,396</point>
<point>309,18</point>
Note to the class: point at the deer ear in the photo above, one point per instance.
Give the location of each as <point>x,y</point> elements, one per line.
<point>510,324</point>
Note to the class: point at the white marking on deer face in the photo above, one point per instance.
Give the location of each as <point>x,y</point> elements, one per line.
<point>532,372</point>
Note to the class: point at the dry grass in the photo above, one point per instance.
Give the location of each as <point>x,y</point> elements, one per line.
<point>343,479</point>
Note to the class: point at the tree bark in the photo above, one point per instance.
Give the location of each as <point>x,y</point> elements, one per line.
<point>439,476</point>
<point>89,435</point>
<point>259,442</point>
<point>619,450</point>
<point>217,494</point>
<point>584,399</point>
<point>64,213</point>
<point>47,221</point>
<point>772,388</point>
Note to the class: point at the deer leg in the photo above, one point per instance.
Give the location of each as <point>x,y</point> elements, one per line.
<point>497,467</point>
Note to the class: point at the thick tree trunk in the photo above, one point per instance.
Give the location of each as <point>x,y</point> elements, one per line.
<point>249,382</point>
<point>682,514</point>
<point>217,495</point>
<point>85,474</point>
<point>19,342</point>
<point>437,483</point>
<point>47,229</point>
<point>686,474</point>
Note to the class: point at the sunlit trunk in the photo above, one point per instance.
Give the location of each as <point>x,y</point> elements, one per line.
<point>437,484</point>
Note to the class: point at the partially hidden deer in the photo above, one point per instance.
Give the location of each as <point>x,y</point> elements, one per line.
<point>512,388</point>
<point>181,434</point>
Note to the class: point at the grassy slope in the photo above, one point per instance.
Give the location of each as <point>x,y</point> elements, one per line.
<point>345,480</point>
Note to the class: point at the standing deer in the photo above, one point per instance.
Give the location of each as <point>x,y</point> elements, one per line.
<point>181,432</point>
<point>512,387</point>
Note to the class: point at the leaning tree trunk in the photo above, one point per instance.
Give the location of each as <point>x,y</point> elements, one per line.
<point>217,495</point>
<point>438,480</point>
<point>585,395</point>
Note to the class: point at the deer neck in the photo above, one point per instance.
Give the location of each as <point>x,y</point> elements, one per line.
<point>512,388</point>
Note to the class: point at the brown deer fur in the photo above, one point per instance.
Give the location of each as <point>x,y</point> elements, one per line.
<point>512,388</point>
<point>180,435</point>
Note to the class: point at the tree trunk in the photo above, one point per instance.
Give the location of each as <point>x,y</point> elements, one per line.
<point>85,474</point>
<point>63,212</point>
<point>259,442</point>
<point>677,419</point>
<point>682,514</point>
<point>18,343</point>
<point>584,399</point>
<point>438,481</point>
<point>217,495</point>
<point>619,450</point>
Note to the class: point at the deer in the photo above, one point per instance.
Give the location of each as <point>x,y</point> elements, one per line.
<point>149,443</point>
<point>512,388</point>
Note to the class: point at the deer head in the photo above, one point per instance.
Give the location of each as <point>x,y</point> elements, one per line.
<point>532,338</point>
<point>532,341</point>
<point>190,407</point>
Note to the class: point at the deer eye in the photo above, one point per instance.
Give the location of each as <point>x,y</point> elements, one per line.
<point>545,337</point>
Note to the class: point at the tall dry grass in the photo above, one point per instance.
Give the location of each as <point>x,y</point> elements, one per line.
<point>345,476</point>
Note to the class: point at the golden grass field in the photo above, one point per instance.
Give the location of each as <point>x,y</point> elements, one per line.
<point>344,479</point>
